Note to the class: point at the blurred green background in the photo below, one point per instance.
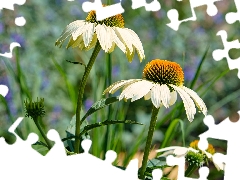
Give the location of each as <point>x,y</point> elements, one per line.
<point>39,69</point>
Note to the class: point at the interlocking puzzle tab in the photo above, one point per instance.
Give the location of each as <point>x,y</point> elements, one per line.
<point>221,53</point>
<point>229,131</point>
<point>102,12</point>
<point>173,14</point>
<point>180,162</point>
<point>56,164</point>
<point>232,17</point>
<point>3,90</point>
<point>12,46</point>
<point>153,6</point>
<point>19,21</point>
<point>9,4</point>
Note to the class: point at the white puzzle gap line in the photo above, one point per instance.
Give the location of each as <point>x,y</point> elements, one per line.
<point>219,54</point>
<point>19,21</point>
<point>173,14</point>
<point>229,131</point>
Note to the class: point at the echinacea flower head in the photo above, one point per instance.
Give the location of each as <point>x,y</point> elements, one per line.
<point>192,154</point>
<point>109,32</point>
<point>162,80</point>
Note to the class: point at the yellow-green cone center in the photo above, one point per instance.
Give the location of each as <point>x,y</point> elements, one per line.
<point>164,72</point>
<point>194,145</point>
<point>113,21</point>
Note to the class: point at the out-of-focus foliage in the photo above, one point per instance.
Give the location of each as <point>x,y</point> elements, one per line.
<point>50,76</point>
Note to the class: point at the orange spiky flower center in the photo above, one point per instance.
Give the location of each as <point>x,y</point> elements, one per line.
<point>194,145</point>
<point>164,72</point>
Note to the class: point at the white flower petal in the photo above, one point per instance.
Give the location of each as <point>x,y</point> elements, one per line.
<point>137,44</point>
<point>88,35</point>
<point>125,37</point>
<point>194,150</point>
<point>92,43</point>
<point>104,35</point>
<point>167,148</point>
<point>173,98</point>
<point>118,42</point>
<point>117,85</point>
<point>187,101</point>
<point>72,27</point>
<point>209,155</point>
<point>198,101</point>
<point>180,151</point>
<point>137,89</point>
<point>155,95</point>
<point>82,29</point>
<point>144,88</point>
<point>165,95</point>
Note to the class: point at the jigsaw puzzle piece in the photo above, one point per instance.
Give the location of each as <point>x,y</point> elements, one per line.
<point>157,174</point>
<point>232,17</point>
<point>3,90</point>
<point>153,6</point>
<point>58,149</point>
<point>229,131</point>
<point>224,53</point>
<point>9,4</point>
<point>103,12</point>
<point>180,162</point>
<point>173,14</point>
<point>12,46</point>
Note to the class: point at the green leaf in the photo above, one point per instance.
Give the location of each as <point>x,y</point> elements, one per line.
<point>70,131</point>
<point>171,131</point>
<point>107,122</point>
<point>72,125</point>
<point>157,163</point>
<point>41,143</point>
<point>99,105</point>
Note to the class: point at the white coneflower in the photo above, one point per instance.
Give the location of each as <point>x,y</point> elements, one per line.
<point>161,82</point>
<point>193,154</point>
<point>109,32</point>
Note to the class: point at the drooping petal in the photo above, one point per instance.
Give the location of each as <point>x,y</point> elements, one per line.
<point>118,42</point>
<point>92,43</point>
<point>137,44</point>
<point>117,85</point>
<point>125,37</point>
<point>130,55</point>
<point>165,95</point>
<point>104,36</point>
<point>187,101</point>
<point>198,101</point>
<point>88,35</point>
<point>72,43</point>
<point>173,97</point>
<point>81,30</point>
<point>144,88</point>
<point>138,89</point>
<point>72,27</point>
<point>155,95</point>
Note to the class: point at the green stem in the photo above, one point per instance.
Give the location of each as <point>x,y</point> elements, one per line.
<point>107,138</point>
<point>149,141</point>
<point>36,120</point>
<point>81,91</point>
<point>190,170</point>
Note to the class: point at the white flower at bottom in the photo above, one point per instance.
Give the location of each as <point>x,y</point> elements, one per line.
<point>193,150</point>
<point>161,82</point>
